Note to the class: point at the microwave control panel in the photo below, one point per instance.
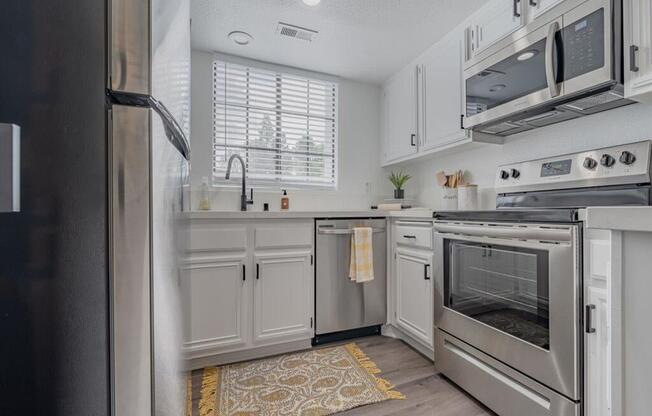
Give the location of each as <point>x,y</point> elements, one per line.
<point>583,48</point>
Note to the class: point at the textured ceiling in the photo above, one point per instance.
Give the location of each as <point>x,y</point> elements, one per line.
<point>365,40</point>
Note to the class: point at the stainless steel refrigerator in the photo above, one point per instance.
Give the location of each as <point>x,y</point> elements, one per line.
<point>90,314</point>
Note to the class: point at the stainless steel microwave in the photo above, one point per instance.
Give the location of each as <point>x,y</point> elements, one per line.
<point>566,64</point>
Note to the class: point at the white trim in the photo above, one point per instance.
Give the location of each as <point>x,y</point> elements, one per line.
<point>219,56</point>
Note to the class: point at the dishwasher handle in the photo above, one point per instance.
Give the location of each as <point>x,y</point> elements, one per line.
<point>344,231</point>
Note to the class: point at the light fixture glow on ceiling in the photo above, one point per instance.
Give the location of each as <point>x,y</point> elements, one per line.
<point>527,55</point>
<point>240,37</point>
<point>312,2</point>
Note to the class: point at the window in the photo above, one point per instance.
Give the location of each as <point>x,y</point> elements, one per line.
<point>284,126</point>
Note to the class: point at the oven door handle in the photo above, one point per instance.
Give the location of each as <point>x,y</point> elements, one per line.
<point>555,235</point>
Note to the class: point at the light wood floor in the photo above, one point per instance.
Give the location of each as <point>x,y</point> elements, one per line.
<point>427,393</point>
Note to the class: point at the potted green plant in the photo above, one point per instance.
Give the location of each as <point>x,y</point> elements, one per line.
<point>398,180</point>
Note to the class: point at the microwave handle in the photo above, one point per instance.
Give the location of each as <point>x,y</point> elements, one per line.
<point>550,60</point>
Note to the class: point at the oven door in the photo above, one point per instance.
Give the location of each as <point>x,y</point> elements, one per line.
<point>513,292</point>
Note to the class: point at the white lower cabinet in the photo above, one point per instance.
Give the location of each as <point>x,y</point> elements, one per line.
<point>250,292</point>
<point>215,300</point>
<point>602,325</point>
<point>414,293</point>
<point>597,355</point>
<point>282,297</point>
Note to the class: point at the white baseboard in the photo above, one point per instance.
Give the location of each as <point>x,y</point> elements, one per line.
<point>245,355</point>
<point>394,332</point>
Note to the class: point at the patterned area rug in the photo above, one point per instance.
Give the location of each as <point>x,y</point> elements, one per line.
<point>312,383</point>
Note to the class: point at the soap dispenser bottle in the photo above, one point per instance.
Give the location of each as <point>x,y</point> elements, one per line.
<point>204,201</point>
<point>285,201</point>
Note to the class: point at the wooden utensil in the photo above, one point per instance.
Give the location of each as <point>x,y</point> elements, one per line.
<point>442,179</point>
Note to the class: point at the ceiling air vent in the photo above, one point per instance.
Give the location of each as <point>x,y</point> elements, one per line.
<point>296,32</point>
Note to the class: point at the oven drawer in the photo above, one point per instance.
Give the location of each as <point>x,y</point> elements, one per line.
<point>414,234</point>
<point>497,386</point>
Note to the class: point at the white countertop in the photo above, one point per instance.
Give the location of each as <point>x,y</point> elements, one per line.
<point>421,213</point>
<point>619,218</point>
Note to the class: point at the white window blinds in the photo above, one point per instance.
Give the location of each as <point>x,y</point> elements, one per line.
<point>283,126</point>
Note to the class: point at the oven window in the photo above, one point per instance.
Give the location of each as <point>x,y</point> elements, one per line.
<point>503,287</point>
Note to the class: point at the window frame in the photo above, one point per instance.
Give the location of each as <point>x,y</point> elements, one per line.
<point>275,184</point>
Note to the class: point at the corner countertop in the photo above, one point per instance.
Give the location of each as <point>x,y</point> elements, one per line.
<point>619,218</point>
<point>417,213</point>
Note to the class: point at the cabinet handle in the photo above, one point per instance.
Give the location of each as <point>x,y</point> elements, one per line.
<point>410,236</point>
<point>412,137</point>
<point>632,58</point>
<point>516,13</point>
<point>426,276</point>
<point>587,319</point>
<point>244,273</point>
<point>533,3</point>
<point>462,121</point>
<point>257,271</point>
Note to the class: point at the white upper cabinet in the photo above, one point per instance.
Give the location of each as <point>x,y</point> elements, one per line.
<point>493,22</point>
<point>443,89</point>
<point>638,49</point>
<point>539,7</point>
<point>400,115</point>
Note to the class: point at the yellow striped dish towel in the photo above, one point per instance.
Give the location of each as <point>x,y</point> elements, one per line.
<point>361,268</point>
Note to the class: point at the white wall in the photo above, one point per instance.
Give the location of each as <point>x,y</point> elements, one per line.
<point>609,128</point>
<point>360,176</point>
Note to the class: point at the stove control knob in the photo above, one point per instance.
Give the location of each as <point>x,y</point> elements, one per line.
<point>515,173</point>
<point>590,163</point>
<point>607,160</point>
<point>627,158</point>
<point>504,175</point>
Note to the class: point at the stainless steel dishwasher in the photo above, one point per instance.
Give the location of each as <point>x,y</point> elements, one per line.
<point>344,308</point>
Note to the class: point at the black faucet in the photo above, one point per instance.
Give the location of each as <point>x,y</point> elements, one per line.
<point>243,197</point>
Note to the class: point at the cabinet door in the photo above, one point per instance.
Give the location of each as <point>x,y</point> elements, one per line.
<point>539,7</point>
<point>443,90</point>
<point>282,298</point>
<point>414,294</point>
<point>215,303</point>
<point>638,50</point>
<point>598,363</point>
<point>497,20</point>
<point>400,103</point>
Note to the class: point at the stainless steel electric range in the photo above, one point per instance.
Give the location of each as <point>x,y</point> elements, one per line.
<point>509,307</point>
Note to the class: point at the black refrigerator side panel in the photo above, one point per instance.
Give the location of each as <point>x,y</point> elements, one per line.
<point>53,253</point>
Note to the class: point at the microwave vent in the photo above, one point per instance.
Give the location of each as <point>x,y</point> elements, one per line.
<point>589,103</point>
<point>296,32</point>
<point>501,128</point>
<point>549,118</point>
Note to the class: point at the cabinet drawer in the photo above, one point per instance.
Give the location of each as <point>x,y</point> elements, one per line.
<point>217,238</point>
<point>279,235</point>
<point>414,234</point>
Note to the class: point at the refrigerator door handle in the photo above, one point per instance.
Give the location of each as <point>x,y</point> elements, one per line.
<point>173,131</point>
